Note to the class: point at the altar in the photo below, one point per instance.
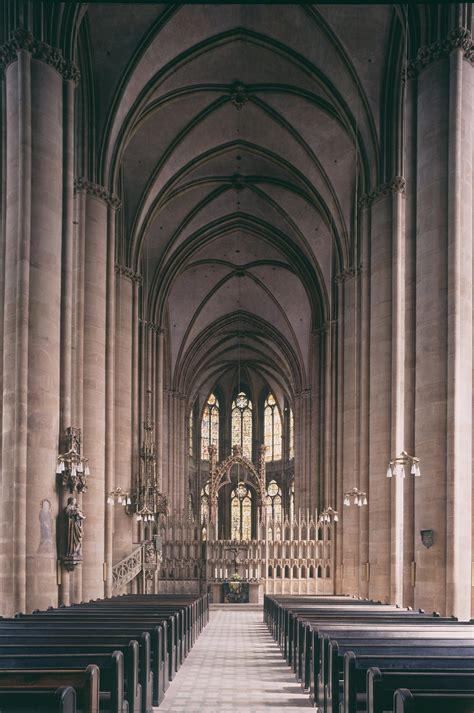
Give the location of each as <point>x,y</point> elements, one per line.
<point>231,591</point>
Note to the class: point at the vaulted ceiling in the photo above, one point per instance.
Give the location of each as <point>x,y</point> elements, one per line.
<point>240,138</point>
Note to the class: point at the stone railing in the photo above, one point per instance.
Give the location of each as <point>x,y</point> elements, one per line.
<point>127,569</point>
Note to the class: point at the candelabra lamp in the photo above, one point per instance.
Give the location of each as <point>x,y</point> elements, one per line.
<point>119,496</point>
<point>147,499</point>
<point>397,465</point>
<point>328,515</point>
<point>355,496</point>
<point>72,466</point>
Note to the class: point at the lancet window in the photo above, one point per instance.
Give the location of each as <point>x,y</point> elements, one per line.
<point>272,420</point>
<point>291,435</point>
<point>273,501</point>
<point>210,427</point>
<point>241,513</point>
<point>242,424</point>
<point>205,504</point>
<point>191,426</point>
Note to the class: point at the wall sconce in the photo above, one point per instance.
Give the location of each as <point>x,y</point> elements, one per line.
<point>328,515</point>
<point>359,497</point>
<point>397,465</point>
<point>119,496</point>
<point>427,538</point>
<point>72,467</point>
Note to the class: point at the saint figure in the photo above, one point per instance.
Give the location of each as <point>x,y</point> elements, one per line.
<point>75,528</point>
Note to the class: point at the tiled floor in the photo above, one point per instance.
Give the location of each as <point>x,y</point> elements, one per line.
<point>234,666</point>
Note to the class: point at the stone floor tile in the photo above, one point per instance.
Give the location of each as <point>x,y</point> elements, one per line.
<point>234,667</point>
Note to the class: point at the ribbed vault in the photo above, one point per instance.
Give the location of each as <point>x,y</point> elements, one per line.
<point>240,145</point>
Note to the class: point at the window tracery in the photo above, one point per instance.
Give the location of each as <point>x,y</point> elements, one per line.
<point>273,502</point>
<point>242,424</point>
<point>291,435</point>
<point>241,513</point>
<point>210,427</point>
<point>272,430</point>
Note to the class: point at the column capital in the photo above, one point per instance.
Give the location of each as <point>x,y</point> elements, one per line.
<point>52,56</point>
<point>127,272</point>
<point>395,185</point>
<point>325,327</point>
<point>303,394</point>
<point>96,191</point>
<point>348,273</point>
<point>459,38</point>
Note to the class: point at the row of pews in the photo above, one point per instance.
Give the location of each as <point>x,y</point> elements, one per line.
<point>116,655</point>
<point>353,655</point>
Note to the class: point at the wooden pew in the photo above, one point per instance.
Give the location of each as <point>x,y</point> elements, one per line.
<point>351,686</point>
<point>128,648</point>
<point>406,701</point>
<point>37,627</point>
<point>111,674</point>
<point>118,619</point>
<point>39,687</point>
<point>21,700</point>
<point>357,665</point>
<point>381,685</point>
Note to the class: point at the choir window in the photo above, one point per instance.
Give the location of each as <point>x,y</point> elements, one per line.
<point>273,501</point>
<point>210,427</point>
<point>241,513</point>
<point>205,504</point>
<point>291,439</point>
<point>242,424</point>
<point>272,429</point>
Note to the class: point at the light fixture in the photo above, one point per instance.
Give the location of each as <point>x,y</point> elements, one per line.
<point>147,499</point>
<point>358,497</point>
<point>328,515</point>
<point>398,464</point>
<point>119,496</point>
<point>72,467</point>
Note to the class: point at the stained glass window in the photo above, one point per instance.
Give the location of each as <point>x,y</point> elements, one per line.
<point>210,427</point>
<point>272,422</point>
<point>191,424</point>
<point>242,424</point>
<point>273,501</point>
<point>291,443</point>
<point>292,502</point>
<point>241,513</point>
<point>205,504</point>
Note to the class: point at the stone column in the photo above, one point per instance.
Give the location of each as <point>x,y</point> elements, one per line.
<point>460,348</point>
<point>398,393</point>
<point>348,527</point>
<point>110,358</point>
<point>380,390</point>
<point>159,406</point>
<point>443,410</point>
<point>124,476</point>
<point>34,78</point>
<point>97,389</point>
<point>363,411</point>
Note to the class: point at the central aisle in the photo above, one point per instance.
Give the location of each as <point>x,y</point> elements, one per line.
<point>234,666</point>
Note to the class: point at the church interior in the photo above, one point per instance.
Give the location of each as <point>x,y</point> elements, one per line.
<point>236,304</point>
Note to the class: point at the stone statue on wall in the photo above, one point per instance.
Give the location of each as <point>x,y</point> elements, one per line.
<point>74,528</point>
<point>46,527</point>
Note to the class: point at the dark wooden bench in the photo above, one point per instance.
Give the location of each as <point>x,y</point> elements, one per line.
<point>129,650</point>
<point>39,687</point>
<point>381,686</point>
<point>21,700</point>
<point>406,701</point>
<point>340,686</point>
<point>111,674</point>
<point>357,665</point>
<point>157,661</point>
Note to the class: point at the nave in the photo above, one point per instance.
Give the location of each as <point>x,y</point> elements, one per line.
<point>235,666</point>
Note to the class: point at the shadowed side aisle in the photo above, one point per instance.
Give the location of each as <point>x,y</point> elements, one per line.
<point>234,666</point>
